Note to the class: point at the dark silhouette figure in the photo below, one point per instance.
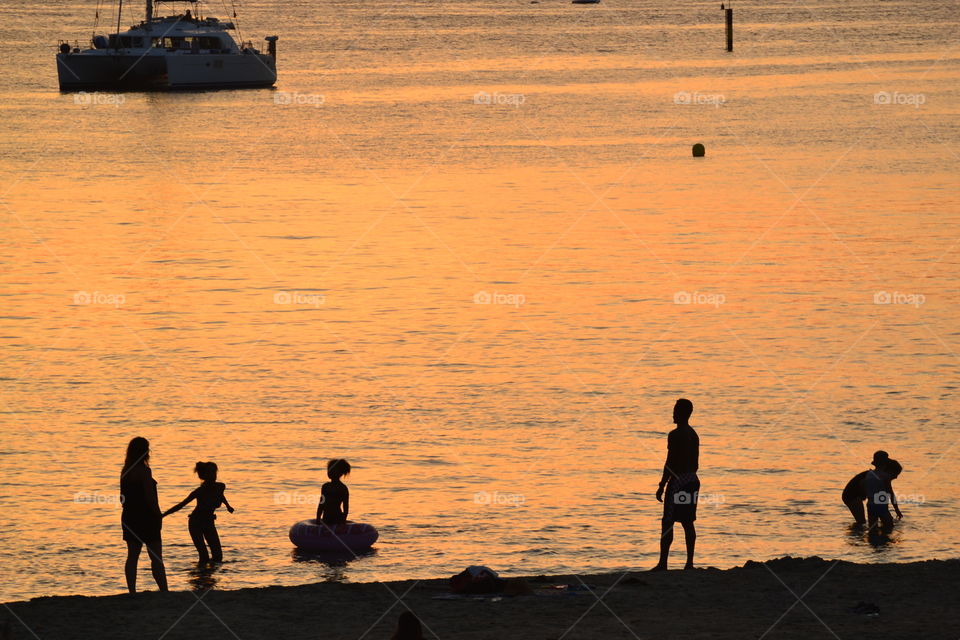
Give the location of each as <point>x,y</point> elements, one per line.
<point>880,495</point>
<point>855,493</point>
<point>334,496</point>
<point>679,486</point>
<point>408,627</point>
<point>141,518</point>
<point>202,520</point>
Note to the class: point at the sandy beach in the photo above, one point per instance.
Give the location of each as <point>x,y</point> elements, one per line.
<point>759,600</point>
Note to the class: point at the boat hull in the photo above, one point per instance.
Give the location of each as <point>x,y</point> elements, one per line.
<point>138,72</point>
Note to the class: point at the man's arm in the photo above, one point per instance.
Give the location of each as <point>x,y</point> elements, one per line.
<point>666,472</point>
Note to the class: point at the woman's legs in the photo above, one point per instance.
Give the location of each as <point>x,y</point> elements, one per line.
<point>130,568</point>
<point>155,550</point>
<point>213,539</point>
<point>196,534</point>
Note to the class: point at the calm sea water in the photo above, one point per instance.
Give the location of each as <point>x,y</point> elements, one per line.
<point>489,309</point>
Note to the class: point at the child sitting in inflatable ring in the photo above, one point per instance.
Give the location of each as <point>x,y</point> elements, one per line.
<point>334,496</point>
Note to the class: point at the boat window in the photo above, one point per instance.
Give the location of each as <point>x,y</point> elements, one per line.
<point>181,42</point>
<point>126,42</point>
<point>176,43</point>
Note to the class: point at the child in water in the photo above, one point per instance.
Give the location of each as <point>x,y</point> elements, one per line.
<point>209,496</point>
<point>855,492</point>
<point>880,495</point>
<point>334,495</point>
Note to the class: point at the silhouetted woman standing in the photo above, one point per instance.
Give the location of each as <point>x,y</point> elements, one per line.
<point>141,518</point>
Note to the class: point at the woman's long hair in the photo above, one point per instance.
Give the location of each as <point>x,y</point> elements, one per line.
<point>137,451</point>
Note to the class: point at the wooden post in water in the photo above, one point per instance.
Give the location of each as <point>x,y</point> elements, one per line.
<point>729,29</point>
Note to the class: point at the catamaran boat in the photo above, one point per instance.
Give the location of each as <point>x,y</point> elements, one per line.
<point>184,51</point>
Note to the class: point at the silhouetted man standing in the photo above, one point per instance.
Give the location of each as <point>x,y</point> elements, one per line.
<point>680,484</point>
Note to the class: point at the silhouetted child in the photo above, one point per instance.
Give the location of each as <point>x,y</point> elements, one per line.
<point>855,492</point>
<point>408,627</point>
<point>201,522</point>
<point>334,496</point>
<point>880,495</point>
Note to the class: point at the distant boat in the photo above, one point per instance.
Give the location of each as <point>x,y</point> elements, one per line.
<point>176,52</point>
<point>585,2</point>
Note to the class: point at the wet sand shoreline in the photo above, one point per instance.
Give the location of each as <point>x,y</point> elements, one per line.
<point>782,598</point>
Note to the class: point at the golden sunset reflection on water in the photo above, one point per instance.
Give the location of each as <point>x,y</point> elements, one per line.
<point>489,309</point>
